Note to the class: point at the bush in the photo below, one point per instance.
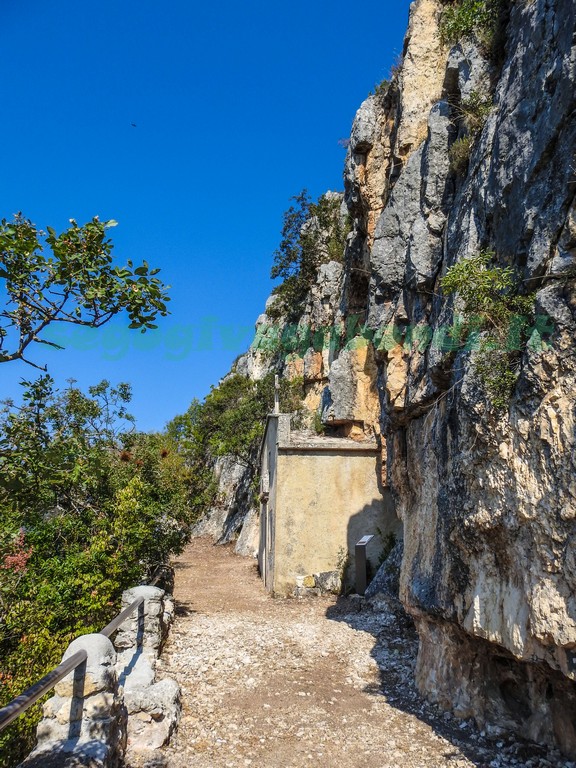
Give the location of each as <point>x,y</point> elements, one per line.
<point>495,321</point>
<point>473,111</point>
<point>88,508</point>
<point>459,155</point>
<point>318,424</point>
<point>381,89</point>
<point>230,422</point>
<point>483,20</point>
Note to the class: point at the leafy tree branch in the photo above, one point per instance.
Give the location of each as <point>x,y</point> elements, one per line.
<point>68,278</point>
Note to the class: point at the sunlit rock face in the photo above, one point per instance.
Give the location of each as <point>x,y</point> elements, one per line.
<point>487,498</point>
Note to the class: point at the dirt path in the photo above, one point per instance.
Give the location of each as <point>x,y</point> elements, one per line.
<point>289,683</point>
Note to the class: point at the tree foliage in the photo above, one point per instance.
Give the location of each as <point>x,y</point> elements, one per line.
<point>312,234</point>
<point>230,422</point>
<point>88,507</point>
<point>68,278</point>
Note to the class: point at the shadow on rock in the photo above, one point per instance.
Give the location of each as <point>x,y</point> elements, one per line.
<point>71,754</point>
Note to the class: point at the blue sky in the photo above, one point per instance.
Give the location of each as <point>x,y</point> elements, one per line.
<point>237,107</point>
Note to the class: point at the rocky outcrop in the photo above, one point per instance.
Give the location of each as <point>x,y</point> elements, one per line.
<point>421,75</point>
<point>233,500</point>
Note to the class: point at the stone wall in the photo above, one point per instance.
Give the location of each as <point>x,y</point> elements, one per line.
<point>112,707</point>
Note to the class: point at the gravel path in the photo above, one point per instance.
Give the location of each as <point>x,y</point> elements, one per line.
<point>275,683</point>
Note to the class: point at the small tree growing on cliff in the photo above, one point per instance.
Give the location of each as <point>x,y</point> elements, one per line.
<point>312,234</point>
<point>496,321</point>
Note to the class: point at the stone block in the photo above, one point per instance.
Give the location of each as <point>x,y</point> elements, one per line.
<point>329,581</point>
<point>155,712</point>
<point>99,674</point>
<point>99,706</point>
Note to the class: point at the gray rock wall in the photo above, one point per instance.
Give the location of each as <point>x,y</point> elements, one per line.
<point>487,498</point>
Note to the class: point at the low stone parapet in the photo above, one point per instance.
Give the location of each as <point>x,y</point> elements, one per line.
<point>112,704</point>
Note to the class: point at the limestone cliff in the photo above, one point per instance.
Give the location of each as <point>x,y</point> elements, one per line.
<point>487,499</point>
<point>487,496</point>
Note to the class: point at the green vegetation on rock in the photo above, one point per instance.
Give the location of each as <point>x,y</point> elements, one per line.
<point>459,155</point>
<point>230,422</point>
<point>496,319</point>
<point>472,113</point>
<point>312,234</point>
<point>381,89</point>
<point>482,20</point>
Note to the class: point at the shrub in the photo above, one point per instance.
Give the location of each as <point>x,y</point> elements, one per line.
<point>459,155</point>
<point>380,90</point>
<point>497,369</point>
<point>483,20</point>
<point>495,321</point>
<point>88,508</point>
<point>230,422</point>
<point>473,111</point>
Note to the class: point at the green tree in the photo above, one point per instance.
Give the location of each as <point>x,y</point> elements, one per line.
<point>88,507</point>
<point>68,278</point>
<point>230,422</point>
<point>312,234</point>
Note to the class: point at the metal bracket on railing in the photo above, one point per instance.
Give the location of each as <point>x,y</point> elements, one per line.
<point>361,564</point>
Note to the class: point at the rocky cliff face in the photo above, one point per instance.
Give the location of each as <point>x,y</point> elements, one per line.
<point>487,496</point>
